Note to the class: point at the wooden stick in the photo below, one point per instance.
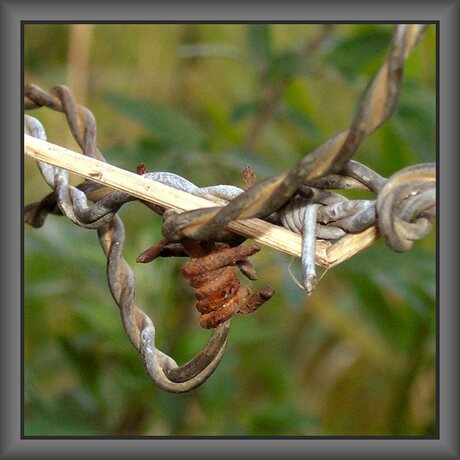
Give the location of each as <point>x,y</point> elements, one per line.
<point>160,194</point>
<point>327,254</point>
<point>349,245</point>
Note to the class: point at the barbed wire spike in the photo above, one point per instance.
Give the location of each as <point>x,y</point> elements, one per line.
<point>332,228</point>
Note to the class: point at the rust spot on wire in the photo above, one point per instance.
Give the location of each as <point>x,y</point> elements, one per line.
<point>212,273</point>
<point>406,206</point>
<point>141,169</point>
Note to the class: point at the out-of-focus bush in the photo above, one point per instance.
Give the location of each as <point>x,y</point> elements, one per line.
<point>357,357</point>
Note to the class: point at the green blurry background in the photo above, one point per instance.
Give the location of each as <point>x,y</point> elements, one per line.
<point>357,357</point>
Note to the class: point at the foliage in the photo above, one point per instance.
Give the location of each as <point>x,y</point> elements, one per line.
<point>357,357</point>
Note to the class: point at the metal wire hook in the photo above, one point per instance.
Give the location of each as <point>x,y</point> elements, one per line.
<point>405,207</point>
<point>140,329</point>
<point>164,371</point>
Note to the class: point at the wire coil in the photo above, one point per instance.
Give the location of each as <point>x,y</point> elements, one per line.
<point>301,200</point>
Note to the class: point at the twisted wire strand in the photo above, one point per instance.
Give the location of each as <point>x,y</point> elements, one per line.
<point>163,370</point>
<point>334,218</point>
<point>377,105</point>
<point>404,210</point>
<point>405,205</point>
<point>140,329</point>
<point>82,125</point>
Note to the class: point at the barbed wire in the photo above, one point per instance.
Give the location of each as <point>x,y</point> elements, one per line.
<point>377,105</point>
<point>140,329</point>
<point>302,200</point>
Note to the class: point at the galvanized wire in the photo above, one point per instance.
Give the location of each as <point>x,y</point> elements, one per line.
<point>302,200</point>
<point>140,329</point>
<point>377,105</point>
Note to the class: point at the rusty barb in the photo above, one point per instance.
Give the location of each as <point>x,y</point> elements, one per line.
<point>303,200</point>
<point>212,274</point>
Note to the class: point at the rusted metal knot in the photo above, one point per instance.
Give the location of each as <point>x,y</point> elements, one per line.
<point>212,273</point>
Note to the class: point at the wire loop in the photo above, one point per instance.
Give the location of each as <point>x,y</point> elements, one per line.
<point>301,199</point>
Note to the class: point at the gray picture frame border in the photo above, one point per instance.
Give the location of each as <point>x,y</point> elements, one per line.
<point>13,13</point>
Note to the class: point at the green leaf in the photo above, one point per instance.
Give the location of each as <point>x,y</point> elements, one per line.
<point>301,119</point>
<point>415,120</point>
<point>259,41</point>
<point>287,64</point>
<point>272,417</point>
<point>170,125</point>
<point>361,53</point>
<point>72,414</point>
<point>244,110</point>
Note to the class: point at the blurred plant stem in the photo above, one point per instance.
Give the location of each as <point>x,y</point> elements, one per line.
<point>356,358</point>
<point>400,416</point>
<point>78,63</point>
<point>273,89</point>
<point>271,97</point>
<point>78,60</point>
